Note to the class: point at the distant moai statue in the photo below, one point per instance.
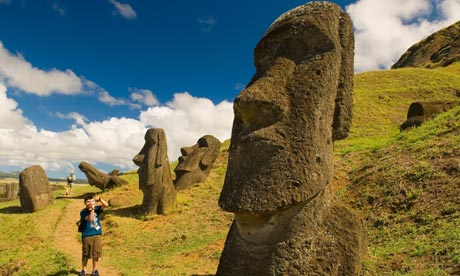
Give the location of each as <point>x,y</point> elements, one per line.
<point>100,179</point>
<point>196,162</point>
<point>154,172</point>
<point>419,112</point>
<point>34,189</point>
<point>9,191</point>
<point>280,165</point>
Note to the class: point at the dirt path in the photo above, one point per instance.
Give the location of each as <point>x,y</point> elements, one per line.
<point>66,239</point>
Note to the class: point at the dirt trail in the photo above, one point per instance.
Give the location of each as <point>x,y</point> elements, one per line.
<point>66,239</point>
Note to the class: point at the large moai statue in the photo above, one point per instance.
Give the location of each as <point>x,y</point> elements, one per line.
<point>154,172</point>
<point>100,179</point>
<point>34,189</point>
<point>281,153</point>
<point>196,162</point>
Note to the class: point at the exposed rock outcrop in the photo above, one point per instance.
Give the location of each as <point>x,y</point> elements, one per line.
<point>440,49</point>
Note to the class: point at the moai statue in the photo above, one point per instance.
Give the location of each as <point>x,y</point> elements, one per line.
<point>9,191</point>
<point>34,189</point>
<point>99,179</point>
<point>155,174</point>
<point>281,152</point>
<point>196,162</point>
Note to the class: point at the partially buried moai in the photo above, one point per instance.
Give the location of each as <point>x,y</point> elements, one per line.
<point>154,172</point>
<point>196,162</point>
<point>281,153</point>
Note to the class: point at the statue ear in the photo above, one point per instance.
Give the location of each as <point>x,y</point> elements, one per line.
<point>161,149</point>
<point>208,157</point>
<point>213,145</point>
<point>344,98</point>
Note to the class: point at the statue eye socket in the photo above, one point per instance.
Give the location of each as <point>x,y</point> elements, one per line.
<point>258,113</point>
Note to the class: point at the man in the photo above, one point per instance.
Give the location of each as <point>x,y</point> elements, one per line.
<point>70,180</point>
<point>91,234</point>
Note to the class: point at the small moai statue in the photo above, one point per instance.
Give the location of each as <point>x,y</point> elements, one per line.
<point>196,162</point>
<point>154,172</point>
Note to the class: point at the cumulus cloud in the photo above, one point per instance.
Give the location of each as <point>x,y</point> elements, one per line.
<point>10,115</point>
<point>114,141</point>
<point>125,10</point>
<point>384,30</point>
<point>186,118</point>
<point>143,96</point>
<point>15,71</point>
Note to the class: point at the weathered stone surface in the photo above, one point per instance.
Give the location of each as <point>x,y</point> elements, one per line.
<point>9,191</point>
<point>440,49</point>
<point>419,112</point>
<point>100,179</point>
<point>196,161</point>
<point>281,152</point>
<point>35,189</point>
<point>154,172</point>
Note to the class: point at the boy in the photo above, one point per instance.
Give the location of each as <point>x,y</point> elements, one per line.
<point>91,234</point>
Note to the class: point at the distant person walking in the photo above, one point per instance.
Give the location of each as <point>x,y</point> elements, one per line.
<point>91,234</point>
<point>70,180</point>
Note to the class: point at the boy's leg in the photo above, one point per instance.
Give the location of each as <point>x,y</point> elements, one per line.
<point>95,261</point>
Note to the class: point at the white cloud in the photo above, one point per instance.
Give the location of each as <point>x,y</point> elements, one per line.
<point>15,71</point>
<point>384,30</point>
<point>125,10</point>
<point>79,119</point>
<point>206,24</point>
<point>186,118</point>
<point>5,1</point>
<point>57,7</point>
<point>114,141</point>
<point>10,116</point>
<point>143,96</point>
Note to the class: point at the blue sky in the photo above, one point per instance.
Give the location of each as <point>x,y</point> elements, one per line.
<point>83,80</point>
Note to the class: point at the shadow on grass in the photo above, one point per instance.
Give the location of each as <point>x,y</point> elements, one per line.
<point>130,212</point>
<point>11,210</point>
<point>65,272</point>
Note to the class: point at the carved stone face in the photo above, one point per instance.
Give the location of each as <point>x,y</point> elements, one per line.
<point>196,161</point>
<point>281,150</point>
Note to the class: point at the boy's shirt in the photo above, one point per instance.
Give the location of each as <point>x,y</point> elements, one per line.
<point>91,228</point>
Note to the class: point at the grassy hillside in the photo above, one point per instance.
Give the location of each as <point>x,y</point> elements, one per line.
<point>404,184</point>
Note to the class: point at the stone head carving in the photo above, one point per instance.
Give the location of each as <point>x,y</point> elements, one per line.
<point>196,162</point>
<point>297,103</point>
<point>154,173</point>
<point>100,179</point>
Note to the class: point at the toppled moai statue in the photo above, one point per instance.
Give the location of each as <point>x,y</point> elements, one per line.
<point>9,191</point>
<point>99,179</point>
<point>196,162</point>
<point>34,189</point>
<point>281,152</point>
<point>419,112</point>
<point>154,172</point>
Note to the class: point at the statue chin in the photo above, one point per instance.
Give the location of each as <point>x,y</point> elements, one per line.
<point>266,228</point>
